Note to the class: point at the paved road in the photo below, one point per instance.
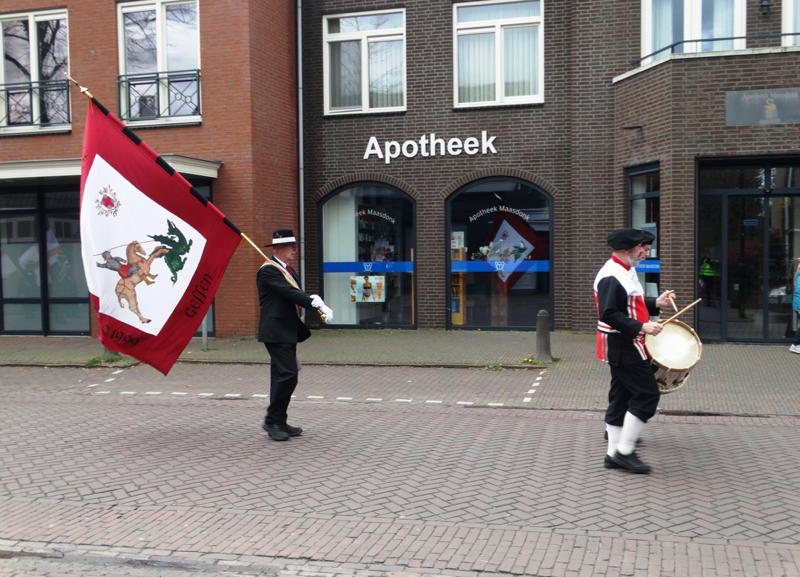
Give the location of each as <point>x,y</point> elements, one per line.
<point>386,486</point>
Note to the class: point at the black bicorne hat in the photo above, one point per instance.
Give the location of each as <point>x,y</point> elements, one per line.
<point>282,236</point>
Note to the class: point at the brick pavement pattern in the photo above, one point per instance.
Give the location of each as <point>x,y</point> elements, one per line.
<point>439,488</point>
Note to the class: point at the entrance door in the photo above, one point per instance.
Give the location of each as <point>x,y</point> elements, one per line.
<point>746,279</point>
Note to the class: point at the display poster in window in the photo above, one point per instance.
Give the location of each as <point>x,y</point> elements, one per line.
<point>367,289</point>
<point>510,241</point>
<point>457,239</point>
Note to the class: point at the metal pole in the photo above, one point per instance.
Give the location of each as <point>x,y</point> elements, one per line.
<point>543,337</point>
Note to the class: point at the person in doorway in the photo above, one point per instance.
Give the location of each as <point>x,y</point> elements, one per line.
<point>280,329</point>
<point>623,319</point>
<point>795,348</point>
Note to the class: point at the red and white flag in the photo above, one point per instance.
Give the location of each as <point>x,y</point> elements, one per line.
<point>154,251</point>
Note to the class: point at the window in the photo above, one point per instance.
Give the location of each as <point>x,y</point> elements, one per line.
<point>665,22</point>
<point>34,91</point>
<point>791,22</point>
<point>500,232</point>
<point>644,205</point>
<point>368,241</point>
<point>364,62</point>
<point>160,61</point>
<point>499,50</point>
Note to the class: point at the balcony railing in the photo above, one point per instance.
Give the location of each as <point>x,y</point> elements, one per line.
<point>159,95</point>
<point>671,48</point>
<point>36,104</point>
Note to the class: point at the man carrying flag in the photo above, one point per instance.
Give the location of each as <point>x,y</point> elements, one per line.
<point>129,198</point>
<point>280,329</point>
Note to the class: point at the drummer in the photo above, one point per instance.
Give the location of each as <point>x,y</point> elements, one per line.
<point>623,319</point>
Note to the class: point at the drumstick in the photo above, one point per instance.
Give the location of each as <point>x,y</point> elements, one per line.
<point>679,313</point>
<point>672,300</point>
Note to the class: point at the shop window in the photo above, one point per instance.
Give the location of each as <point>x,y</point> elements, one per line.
<point>43,284</point>
<point>705,25</point>
<point>499,53</point>
<point>364,62</point>
<point>500,234</point>
<point>34,91</point>
<point>368,240</point>
<point>644,186</point>
<point>159,61</point>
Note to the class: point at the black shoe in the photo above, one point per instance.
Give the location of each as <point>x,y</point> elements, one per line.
<point>631,463</point>
<point>275,432</point>
<point>292,431</point>
<point>638,441</point>
<point>609,464</point>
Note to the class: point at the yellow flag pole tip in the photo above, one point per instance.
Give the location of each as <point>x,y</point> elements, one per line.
<point>84,90</point>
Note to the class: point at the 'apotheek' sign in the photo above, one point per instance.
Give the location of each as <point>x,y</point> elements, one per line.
<point>752,107</point>
<point>430,146</point>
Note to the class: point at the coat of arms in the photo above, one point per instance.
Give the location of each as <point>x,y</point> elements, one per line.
<point>107,204</point>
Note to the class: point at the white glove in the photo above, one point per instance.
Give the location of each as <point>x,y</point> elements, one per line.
<point>325,310</point>
<point>317,302</point>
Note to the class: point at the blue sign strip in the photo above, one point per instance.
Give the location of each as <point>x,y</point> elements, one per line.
<point>649,266</point>
<point>498,265</point>
<point>368,267</point>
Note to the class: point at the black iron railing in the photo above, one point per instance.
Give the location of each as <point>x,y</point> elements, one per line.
<point>671,48</point>
<point>159,95</point>
<point>43,103</point>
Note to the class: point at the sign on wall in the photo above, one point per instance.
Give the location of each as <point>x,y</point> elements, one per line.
<point>367,289</point>
<point>754,107</point>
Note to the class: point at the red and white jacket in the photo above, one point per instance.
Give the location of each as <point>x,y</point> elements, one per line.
<point>622,309</point>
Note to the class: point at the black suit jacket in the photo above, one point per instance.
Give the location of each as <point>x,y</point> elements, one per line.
<point>278,321</point>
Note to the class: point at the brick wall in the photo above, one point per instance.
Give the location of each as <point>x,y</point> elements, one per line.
<point>564,145</point>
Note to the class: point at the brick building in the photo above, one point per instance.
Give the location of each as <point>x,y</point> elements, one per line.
<point>462,161</point>
<point>211,86</point>
<point>600,115</point>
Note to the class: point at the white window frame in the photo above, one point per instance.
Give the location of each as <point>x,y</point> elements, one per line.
<point>787,20</point>
<point>496,27</point>
<point>692,27</point>
<point>160,7</point>
<point>365,37</point>
<point>33,18</point>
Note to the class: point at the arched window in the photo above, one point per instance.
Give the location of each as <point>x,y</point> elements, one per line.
<point>368,239</point>
<point>500,232</point>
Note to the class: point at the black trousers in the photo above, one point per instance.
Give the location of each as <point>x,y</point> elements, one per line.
<point>283,380</point>
<point>633,388</point>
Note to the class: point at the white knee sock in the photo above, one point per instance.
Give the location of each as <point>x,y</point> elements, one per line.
<point>631,429</point>
<point>613,438</point>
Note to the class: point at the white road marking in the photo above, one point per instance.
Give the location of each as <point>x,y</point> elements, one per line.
<point>233,395</point>
<point>90,386</point>
<point>538,378</point>
<point>495,404</point>
<point>178,393</point>
<point>526,400</point>
<point>314,397</point>
<point>117,372</point>
<point>205,394</point>
<point>531,391</point>
<point>153,393</point>
<point>403,400</point>
<point>260,396</point>
<point>344,398</point>
<point>374,399</point>
<point>109,380</point>
<point>101,392</point>
<point>127,393</point>
<point>463,403</point>
<point>433,401</point>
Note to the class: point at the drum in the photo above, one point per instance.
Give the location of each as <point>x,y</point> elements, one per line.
<point>675,352</point>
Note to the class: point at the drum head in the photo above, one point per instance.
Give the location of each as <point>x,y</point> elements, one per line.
<point>676,347</point>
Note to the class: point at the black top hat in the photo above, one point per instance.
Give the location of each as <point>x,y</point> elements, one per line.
<point>282,236</point>
<point>625,238</point>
